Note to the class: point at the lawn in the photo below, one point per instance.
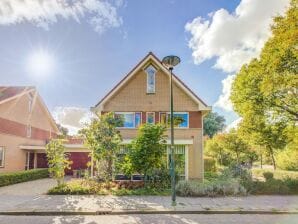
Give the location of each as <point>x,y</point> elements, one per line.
<point>277,174</point>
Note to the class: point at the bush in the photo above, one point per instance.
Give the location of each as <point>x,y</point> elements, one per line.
<point>22,176</point>
<point>209,164</point>
<point>83,187</point>
<point>210,188</point>
<point>268,175</point>
<point>287,159</point>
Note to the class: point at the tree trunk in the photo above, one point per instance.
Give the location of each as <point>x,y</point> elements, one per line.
<point>261,160</point>
<point>272,157</point>
<point>110,168</point>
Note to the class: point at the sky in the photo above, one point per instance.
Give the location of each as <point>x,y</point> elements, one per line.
<point>75,51</point>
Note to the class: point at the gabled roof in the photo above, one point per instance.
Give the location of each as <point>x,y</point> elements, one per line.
<point>141,64</point>
<point>8,93</point>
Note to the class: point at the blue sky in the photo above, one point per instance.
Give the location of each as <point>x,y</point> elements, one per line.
<point>93,49</point>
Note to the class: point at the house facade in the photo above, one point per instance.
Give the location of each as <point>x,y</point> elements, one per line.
<point>24,121</point>
<point>26,126</point>
<point>143,96</point>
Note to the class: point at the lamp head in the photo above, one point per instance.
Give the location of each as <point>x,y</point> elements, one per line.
<point>171,61</point>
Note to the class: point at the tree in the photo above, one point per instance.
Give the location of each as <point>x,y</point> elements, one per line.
<point>213,123</point>
<point>215,148</point>
<point>147,150</point>
<point>57,159</point>
<point>62,129</point>
<point>264,92</point>
<point>229,147</point>
<point>102,137</point>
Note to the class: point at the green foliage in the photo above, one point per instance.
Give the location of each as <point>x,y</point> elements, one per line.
<point>276,186</point>
<point>102,137</point>
<point>22,176</point>
<point>213,123</point>
<point>229,147</point>
<point>209,164</point>
<point>218,187</point>
<point>277,174</point>
<point>87,187</point>
<point>57,159</point>
<point>287,159</point>
<point>268,175</point>
<point>264,92</point>
<point>147,149</point>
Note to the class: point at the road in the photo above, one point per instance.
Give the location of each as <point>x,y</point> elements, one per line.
<point>150,219</point>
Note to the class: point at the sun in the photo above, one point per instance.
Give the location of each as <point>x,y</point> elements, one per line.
<point>40,63</point>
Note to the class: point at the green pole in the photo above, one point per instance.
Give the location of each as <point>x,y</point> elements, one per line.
<point>172,165</point>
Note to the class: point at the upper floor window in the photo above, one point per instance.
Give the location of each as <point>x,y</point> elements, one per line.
<point>129,119</point>
<point>1,156</point>
<point>150,79</point>
<point>28,131</point>
<point>30,102</point>
<point>181,119</point>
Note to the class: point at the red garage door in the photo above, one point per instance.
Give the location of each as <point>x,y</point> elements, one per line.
<point>79,161</point>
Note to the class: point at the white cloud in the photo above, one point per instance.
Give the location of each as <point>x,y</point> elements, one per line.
<point>224,101</point>
<point>42,13</point>
<point>72,118</point>
<point>234,124</point>
<point>233,38</point>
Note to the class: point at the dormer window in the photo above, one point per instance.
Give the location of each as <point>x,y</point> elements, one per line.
<point>150,79</point>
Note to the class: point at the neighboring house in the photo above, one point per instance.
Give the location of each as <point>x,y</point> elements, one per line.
<point>144,96</point>
<point>26,126</point>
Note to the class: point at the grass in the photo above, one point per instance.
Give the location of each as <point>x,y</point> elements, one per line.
<point>277,174</point>
<point>88,187</point>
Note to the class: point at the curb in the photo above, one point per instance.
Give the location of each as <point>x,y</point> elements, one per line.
<point>144,212</point>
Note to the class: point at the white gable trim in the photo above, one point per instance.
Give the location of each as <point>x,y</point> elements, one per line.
<point>99,106</point>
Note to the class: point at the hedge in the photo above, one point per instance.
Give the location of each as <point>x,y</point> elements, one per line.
<point>22,176</point>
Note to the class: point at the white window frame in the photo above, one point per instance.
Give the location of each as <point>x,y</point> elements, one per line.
<point>30,103</point>
<point>3,157</point>
<point>134,119</point>
<point>174,114</point>
<point>154,79</point>
<point>29,131</point>
<point>153,117</point>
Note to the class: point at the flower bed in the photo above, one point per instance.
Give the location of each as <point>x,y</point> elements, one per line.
<point>85,186</point>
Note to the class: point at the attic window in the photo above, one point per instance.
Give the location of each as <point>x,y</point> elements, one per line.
<point>150,79</point>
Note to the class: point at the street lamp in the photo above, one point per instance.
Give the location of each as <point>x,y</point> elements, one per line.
<point>170,62</point>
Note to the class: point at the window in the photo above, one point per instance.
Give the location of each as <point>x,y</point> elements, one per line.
<point>28,131</point>
<point>1,156</point>
<point>150,117</point>
<point>30,102</point>
<point>130,119</point>
<point>138,119</point>
<point>150,79</point>
<point>181,119</point>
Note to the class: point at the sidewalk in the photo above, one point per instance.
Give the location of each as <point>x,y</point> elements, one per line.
<point>96,205</point>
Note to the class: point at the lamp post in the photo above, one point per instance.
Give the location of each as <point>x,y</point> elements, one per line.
<point>170,62</point>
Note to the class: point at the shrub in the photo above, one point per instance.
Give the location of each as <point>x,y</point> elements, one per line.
<point>22,176</point>
<point>287,159</point>
<point>268,175</point>
<point>210,188</point>
<point>209,164</point>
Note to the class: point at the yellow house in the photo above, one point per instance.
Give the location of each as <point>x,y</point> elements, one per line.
<point>143,95</point>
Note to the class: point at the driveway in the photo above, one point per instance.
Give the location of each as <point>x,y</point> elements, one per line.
<point>30,188</point>
<point>23,193</point>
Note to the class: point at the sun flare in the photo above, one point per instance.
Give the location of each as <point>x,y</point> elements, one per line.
<point>41,63</point>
